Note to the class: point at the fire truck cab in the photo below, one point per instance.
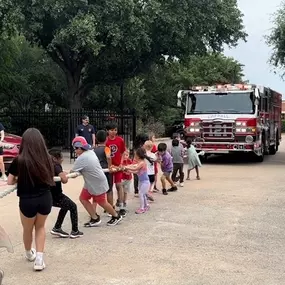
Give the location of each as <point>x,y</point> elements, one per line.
<point>230,118</point>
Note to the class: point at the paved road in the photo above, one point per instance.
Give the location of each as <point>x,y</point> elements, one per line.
<point>227,228</point>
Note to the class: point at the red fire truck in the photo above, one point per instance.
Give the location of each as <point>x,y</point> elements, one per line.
<point>232,118</point>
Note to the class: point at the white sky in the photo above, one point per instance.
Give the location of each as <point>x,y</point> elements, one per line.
<point>255,53</point>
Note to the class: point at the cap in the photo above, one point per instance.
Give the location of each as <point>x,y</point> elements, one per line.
<point>81,142</point>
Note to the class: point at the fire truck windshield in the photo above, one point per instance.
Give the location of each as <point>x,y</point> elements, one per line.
<point>221,103</point>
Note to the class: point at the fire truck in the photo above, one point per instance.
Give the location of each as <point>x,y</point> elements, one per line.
<point>230,118</point>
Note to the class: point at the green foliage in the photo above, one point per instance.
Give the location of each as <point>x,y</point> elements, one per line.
<point>276,39</point>
<point>105,42</point>
<point>28,77</point>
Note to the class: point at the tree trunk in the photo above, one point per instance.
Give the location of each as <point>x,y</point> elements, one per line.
<point>74,95</point>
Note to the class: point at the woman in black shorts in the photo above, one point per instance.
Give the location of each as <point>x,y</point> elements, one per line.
<point>33,172</point>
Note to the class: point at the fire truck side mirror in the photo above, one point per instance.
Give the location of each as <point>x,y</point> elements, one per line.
<point>256,93</point>
<point>179,98</point>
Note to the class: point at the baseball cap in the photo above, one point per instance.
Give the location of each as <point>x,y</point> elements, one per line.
<point>81,142</point>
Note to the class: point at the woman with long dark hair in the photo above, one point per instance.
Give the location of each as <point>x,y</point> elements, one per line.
<point>33,172</point>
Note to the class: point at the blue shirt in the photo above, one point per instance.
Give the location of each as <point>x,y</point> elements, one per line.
<point>86,132</point>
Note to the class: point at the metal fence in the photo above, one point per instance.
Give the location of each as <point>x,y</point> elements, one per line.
<point>58,126</point>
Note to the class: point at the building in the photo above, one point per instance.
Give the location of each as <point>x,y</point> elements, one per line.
<point>283,110</point>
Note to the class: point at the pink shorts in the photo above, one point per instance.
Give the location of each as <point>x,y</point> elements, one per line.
<point>86,196</point>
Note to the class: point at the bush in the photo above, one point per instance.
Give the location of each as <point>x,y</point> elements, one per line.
<point>151,126</point>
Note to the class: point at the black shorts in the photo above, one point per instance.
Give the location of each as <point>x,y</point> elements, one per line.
<point>32,206</point>
<point>109,177</point>
<point>1,150</point>
<point>151,178</point>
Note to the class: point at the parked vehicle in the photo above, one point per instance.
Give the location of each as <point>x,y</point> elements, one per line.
<point>232,118</point>
<point>11,150</point>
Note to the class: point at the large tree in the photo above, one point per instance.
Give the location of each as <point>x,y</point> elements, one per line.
<point>276,39</point>
<point>107,41</point>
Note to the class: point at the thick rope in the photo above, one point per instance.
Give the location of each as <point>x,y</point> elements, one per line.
<point>13,188</point>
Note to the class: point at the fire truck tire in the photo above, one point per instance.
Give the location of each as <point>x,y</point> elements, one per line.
<point>272,149</point>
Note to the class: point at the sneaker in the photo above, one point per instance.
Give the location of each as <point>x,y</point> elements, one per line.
<point>122,212</point>
<point>115,220</point>
<point>164,192</point>
<point>31,256</point>
<point>118,203</point>
<point>198,178</point>
<point>93,223</point>
<point>181,184</point>
<point>172,189</point>
<point>77,234</point>
<point>125,205</point>
<point>136,195</point>
<point>4,177</point>
<point>59,233</point>
<point>147,208</point>
<point>150,198</point>
<point>140,211</point>
<point>39,265</point>
<point>155,190</point>
<point>1,276</point>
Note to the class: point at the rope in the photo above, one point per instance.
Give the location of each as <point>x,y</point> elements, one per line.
<point>13,188</point>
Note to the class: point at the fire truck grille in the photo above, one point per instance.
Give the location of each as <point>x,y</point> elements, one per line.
<point>218,131</point>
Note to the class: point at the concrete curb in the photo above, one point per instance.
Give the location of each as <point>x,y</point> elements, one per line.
<point>162,139</point>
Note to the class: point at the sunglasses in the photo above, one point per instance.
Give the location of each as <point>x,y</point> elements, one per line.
<point>77,148</point>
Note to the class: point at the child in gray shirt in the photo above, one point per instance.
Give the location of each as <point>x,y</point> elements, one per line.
<point>95,183</point>
<point>177,152</point>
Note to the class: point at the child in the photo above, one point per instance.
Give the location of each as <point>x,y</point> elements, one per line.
<point>139,141</point>
<point>127,177</point>
<point>193,160</point>
<point>104,155</point>
<point>166,168</point>
<point>95,183</point>
<point>154,150</point>
<point>61,201</point>
<point>117,146</point>
<point>141,169</point>
<point>177,152</point>
<point>148,145</point>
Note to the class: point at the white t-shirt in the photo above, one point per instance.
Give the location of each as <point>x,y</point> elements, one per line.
<point>150,167</point>
<point>95,181</point>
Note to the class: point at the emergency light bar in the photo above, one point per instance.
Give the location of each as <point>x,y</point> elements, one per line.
<point>222,88</point>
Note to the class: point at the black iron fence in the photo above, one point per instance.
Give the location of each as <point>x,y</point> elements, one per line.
<point>58,126</point>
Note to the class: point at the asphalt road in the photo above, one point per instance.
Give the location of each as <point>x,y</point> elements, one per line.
<point>228,228</point>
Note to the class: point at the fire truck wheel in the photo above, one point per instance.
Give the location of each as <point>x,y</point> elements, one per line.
<point>272,149</point>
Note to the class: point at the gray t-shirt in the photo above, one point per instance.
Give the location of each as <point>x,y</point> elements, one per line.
<point>177,153</point>
<point>95,181</point>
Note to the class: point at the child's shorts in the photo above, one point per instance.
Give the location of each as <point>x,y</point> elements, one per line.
<point>86,196</point>
<point>151,178</point>
<point>167,174</point>
<point>126,186</point>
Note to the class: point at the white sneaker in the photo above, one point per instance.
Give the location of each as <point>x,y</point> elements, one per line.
<point>32,255</point>
<point>39,265</point>
<point>4,177</point>
<point>181,184</point>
